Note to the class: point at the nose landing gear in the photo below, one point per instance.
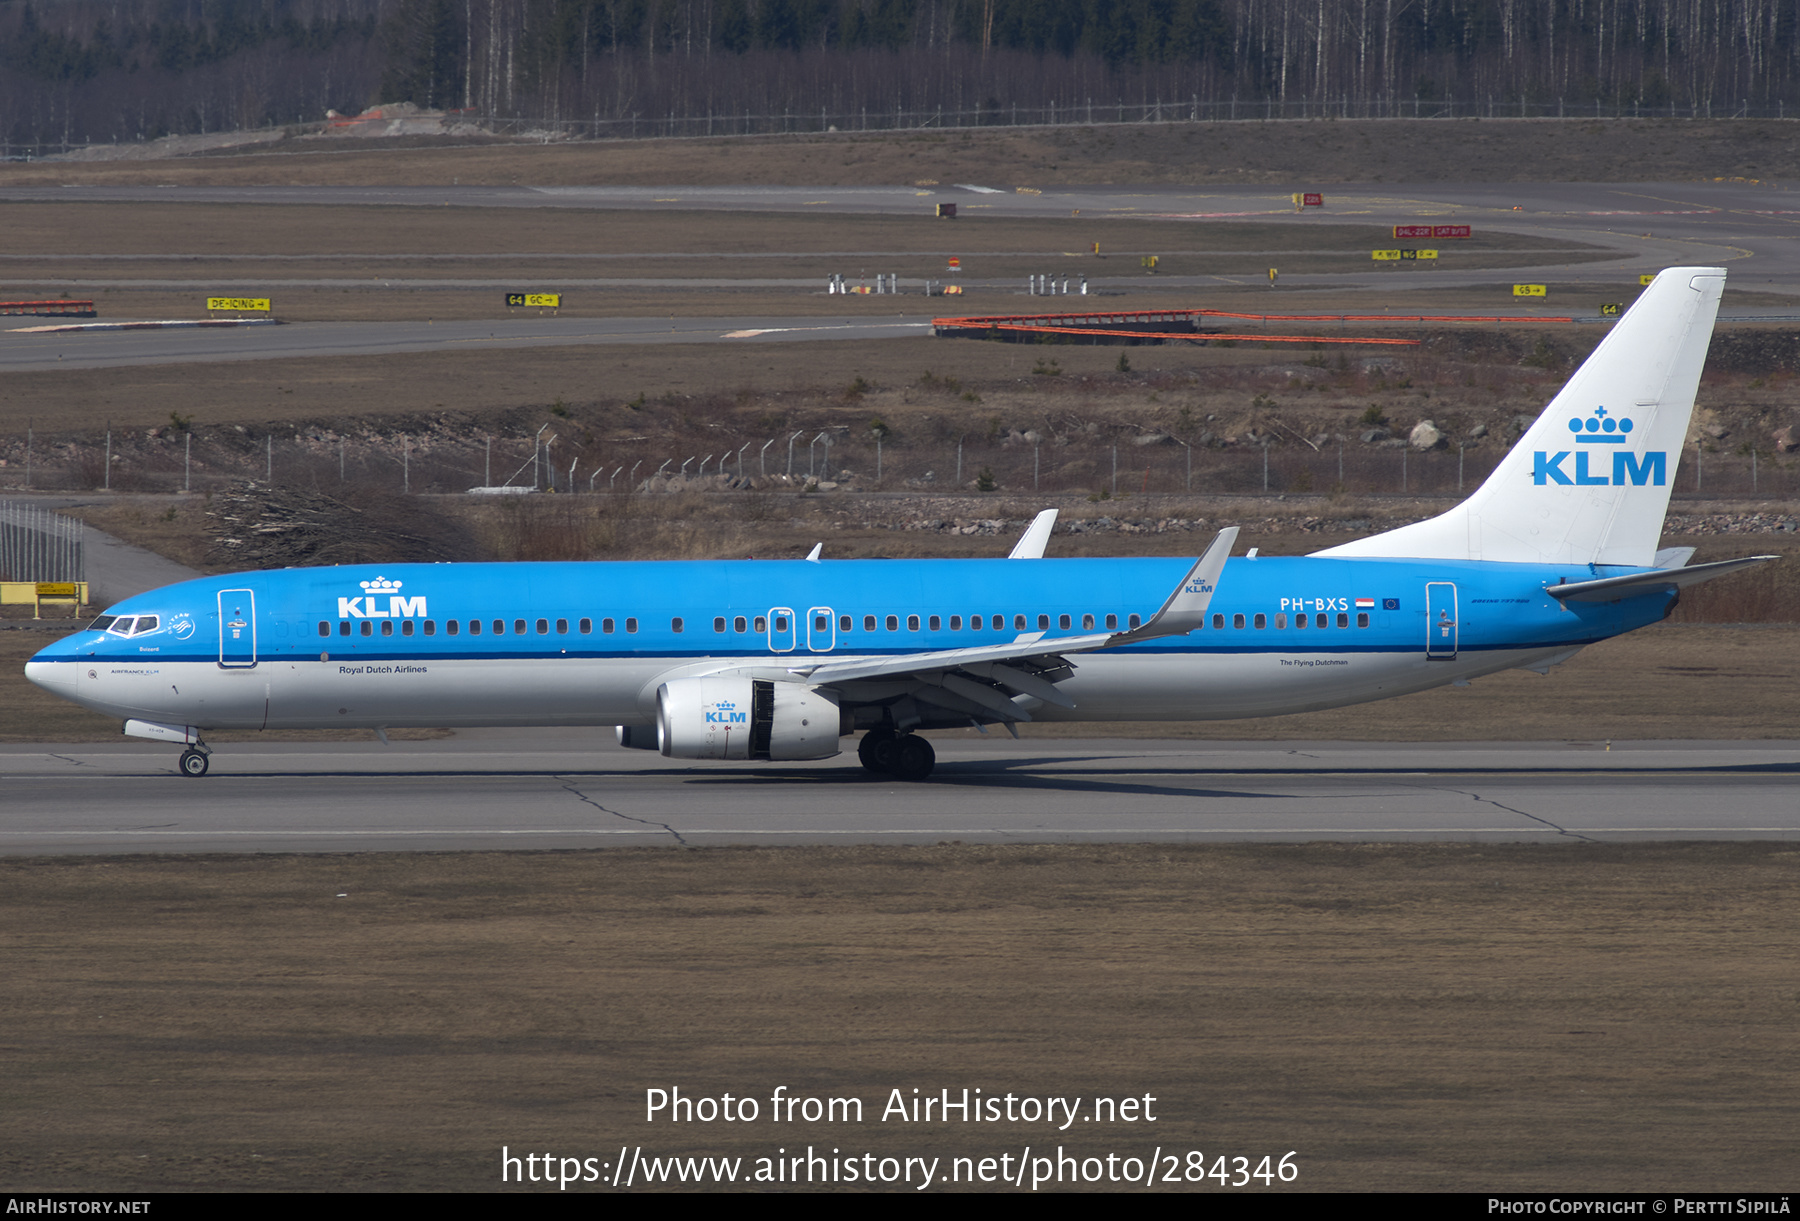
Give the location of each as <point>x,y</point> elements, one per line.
<point>902,756</point>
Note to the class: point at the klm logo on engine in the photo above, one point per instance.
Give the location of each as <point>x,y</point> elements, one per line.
<point>724,713</point>
<point>1626,469</point>
<point>376,593</point>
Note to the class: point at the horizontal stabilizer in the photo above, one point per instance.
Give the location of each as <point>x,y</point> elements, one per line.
<point>1615,589</point>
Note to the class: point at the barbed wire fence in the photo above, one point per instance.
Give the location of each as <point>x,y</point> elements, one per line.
<point>1109,465</point>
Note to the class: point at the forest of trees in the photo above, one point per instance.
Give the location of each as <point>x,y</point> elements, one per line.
<point>82,71</point>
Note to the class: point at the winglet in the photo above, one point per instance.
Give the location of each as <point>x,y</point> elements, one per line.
<point>1185,608</point>
<point>1031,544</point>
<point>813,555</point>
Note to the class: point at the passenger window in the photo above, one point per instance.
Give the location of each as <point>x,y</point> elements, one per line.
<point>675,625</point>
<point>845,623</point>
<point>1112,623</point>
<point>1262,621</point>
<point>1043,623</point>
<point>718,623</point>
<point>1063,622</point>
<point>324,628</point>
<point>955,623</point>
<point>1343,619</point>
<point>519,627</point>
<point>344,628</point>
<point>474,627</point>
<point>1237,621</point>
<point>368,629</point>
<point>1362,618</point>
<point>606,626</point>
<point>1018,623</point>
<point>1280,621</point>
<point>936,623</point>
<point>631,626</point>
<point>562,627</point>
<point>452,626</point>
<point>431,627</point>
<point>737,624</point>
<point>821,623</point>
<point>387,627</point>
<point>1320,621</point>
<point>587,627</point>
<point>1087,622</point>
<point>1133,623</point>
<point>868,623</point>
<point>543,626</point>
<point>893,623</point>
<point>499,627</point>
<point>762,624</point>
<point>912,623</point>
<point>406,627</point>
<point>1299,621</point>
<point>1219,623</point>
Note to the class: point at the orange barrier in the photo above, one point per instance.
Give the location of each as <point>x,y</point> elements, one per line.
<point>49,309</point>
<point>1191,336</point>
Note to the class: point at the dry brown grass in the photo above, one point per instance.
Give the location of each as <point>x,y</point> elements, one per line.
<point>1286,155</point>
<point>1403,1017</point>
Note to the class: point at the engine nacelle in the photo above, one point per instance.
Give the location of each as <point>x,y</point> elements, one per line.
<point>637,737</point>
<point>744,718</point>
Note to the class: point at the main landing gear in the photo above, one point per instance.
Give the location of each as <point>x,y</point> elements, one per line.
<point>193,762</point>
<point>902,756</point>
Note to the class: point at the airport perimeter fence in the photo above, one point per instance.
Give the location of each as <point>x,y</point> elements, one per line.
<point>1104,466</point>
<point>38,545</point>
<point>1075,112</point>
<point>1089,112</point>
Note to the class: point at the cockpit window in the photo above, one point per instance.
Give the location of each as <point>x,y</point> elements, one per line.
<point>125,625</point>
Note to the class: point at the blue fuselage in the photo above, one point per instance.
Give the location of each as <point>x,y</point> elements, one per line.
<point>588,643</point>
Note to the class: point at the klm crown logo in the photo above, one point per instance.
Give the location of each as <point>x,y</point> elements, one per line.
<point>1601,428</point>
<point>380,585</point>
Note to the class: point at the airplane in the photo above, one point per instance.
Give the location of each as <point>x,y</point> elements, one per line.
<point>778,661</point>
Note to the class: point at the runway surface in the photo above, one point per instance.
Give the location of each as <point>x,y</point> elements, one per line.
<point>109,349</point>
<point>518,789</point>
<point>1752,228</point>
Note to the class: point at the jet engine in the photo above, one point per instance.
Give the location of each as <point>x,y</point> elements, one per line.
<point>744,718</point>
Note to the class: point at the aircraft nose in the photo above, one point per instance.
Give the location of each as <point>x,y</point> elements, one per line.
<point>53,669</point>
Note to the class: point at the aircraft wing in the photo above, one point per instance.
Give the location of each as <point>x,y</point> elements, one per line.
<point>1613,589</point>
<point>989,675</point>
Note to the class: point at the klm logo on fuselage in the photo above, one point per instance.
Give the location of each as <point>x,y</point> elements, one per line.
<point>375,593</point>
<point>1627,469</point>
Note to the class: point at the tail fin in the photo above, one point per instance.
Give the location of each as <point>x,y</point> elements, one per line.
<point>1589,482</point>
